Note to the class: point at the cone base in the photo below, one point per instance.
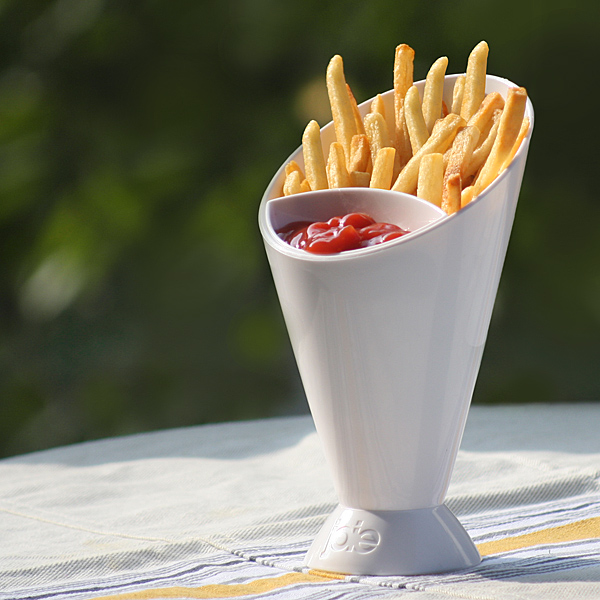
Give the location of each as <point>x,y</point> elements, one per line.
<point>389,542</point>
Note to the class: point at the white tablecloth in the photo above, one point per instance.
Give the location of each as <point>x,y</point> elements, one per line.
<point>229,510</point>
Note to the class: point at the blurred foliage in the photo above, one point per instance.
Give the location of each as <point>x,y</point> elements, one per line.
<point>136,139</point>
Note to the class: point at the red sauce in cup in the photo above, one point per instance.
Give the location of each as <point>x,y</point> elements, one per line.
<point>339,234</point>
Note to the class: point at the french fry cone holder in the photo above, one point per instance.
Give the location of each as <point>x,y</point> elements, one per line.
<point>388,341</point>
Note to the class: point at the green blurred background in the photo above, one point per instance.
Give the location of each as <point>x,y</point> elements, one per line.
<point>136,139</point>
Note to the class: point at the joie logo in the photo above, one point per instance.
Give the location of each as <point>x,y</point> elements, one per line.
<point>352,538</point>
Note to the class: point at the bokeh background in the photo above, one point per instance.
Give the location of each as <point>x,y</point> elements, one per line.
<point>136,139</point>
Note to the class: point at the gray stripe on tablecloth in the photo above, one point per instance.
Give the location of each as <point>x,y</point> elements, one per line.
<point>575,485</point>
<point>71,572</point>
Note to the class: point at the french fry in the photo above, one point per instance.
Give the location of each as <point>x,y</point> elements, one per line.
<point>457,94</point>
<point>451,194</point>
<point>314,161</point>
<point>377,133</point>
<point>461,151</point>
<point>446,156</point>
<point>360,154</point>
<point>522,133</point>
<point>402,144</point>
<point>481,153</point>
<point>292,183</point>
<point>433,92</point>
<point>378,105</point>
<point>431,178</point>
<point>486,111</point>
<point>305,186</point>
<point>441,139</point>
<point>439,124</point>
<point>360,179</point>
<point>487,128</point>
<point>403,74</point>
<point>341,107</point>
<point>403,80</point>
<point>337,172</point>
<point>460,155</point>
<point>466,196</point>
<point>383,169</point>
<point>293,166</point>
<point>475,81</point>
<point>357,118</point>
<point>508,132</point>
<point>413,113</point>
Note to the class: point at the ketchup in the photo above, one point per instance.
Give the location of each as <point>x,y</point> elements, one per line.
<point>339,234</point>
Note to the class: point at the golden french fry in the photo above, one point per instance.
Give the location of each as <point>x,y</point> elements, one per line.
<point>460,155</point>
<point>360,154</point>
<point>440,139</point>
<point>474,92</point>
<point>431,178</point>
<point>402,144</point>
<point>484,115</point>
<point>488,126</point>
<point>314,161</point>
<point>378,105</point>
<point>403,74</point>
<point>508,132</point>
<point>360,179</point>
<point>447,150</point>
<point>522,133</point>
<point>305,186</point>
<point>433,92</point>
<point>413,113</point>
<point>293,166</point>
<point>461,151</point>
<point>446,156</point>
<point>337,172</point>
<point>457,94</point>
<point>383,169</point>
<point>403,80</point>
<point>481,153</point>
<point>357,118</point>
<point>466,196</point>
<point>292,183</point>
<point>440,123</point>
<point>377,133</point>
<point>451,194</point>
<point>341,106</point>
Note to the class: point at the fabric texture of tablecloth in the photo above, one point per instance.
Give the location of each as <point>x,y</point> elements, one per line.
<point>229,510</point>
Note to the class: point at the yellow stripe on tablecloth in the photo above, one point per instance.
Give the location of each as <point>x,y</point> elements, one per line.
<point>580,530</point>
<point>326,574</point>
<point>221,590</point>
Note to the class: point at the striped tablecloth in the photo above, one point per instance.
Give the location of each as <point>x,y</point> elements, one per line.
<point>229,510</point>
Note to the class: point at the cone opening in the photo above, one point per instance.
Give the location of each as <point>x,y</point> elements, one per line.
<point>268,223</point>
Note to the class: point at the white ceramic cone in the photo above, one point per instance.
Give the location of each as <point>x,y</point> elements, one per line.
<point>388,341</point>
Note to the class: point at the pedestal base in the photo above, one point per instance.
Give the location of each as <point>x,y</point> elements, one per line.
<point>389,542</point>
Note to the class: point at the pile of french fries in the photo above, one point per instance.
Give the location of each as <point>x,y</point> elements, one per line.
<point>444,154</point>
